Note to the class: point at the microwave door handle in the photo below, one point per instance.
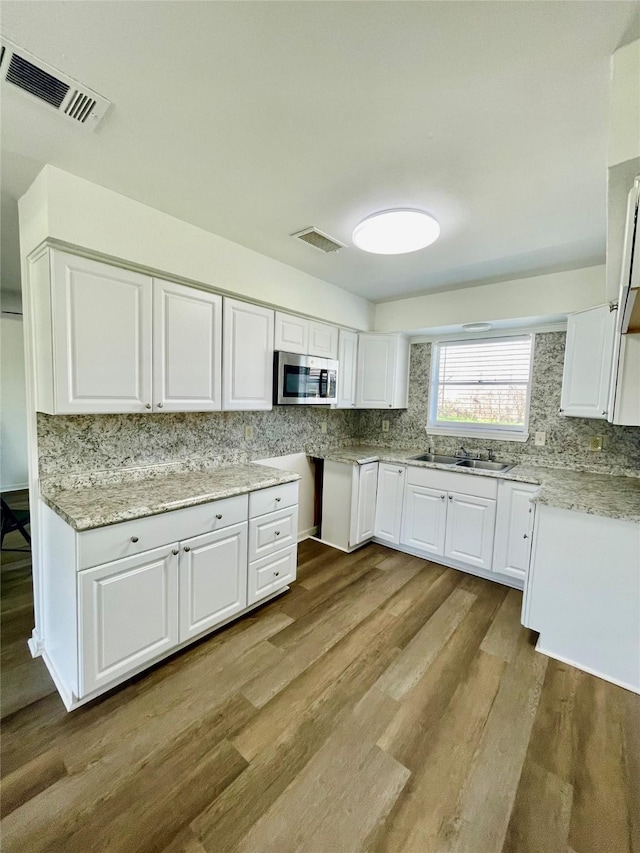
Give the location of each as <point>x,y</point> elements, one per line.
<point>324,383</point>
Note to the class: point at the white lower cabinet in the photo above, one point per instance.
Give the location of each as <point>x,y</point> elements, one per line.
<point>470,529</point>
<point>366,503</point>
<point>270,573</point>
<point>514,529</point>
<point>213,579</point>
<point>424,519</point>
<point>389,502</point>
<point>128,615</point>
<point>348,504</point>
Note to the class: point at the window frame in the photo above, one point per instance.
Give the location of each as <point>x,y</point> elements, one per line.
<point>468,430</point>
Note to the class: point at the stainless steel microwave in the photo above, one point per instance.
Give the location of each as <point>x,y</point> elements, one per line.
<point>304,380</point>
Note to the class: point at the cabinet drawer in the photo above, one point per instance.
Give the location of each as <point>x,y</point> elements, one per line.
<point>270,573</point>
<point>453,481</point>
<point>128,538</point>
<point>272,532</point>
<point>272,499</point>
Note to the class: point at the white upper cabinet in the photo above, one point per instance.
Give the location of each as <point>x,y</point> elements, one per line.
<point>248,335</point>
<point>323,340</point>
<point>389,502</point>
<point>100,328</point>
<point>383,371</point>
<point>292,333</point>
<point>306,337</point>
<point>587,363</point>
<point>347,369</point>
<point>187,349</point>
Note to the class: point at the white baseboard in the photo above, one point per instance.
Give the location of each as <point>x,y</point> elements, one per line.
<point>587,669</point>
<point>35,644</point>
<point>309,533</point>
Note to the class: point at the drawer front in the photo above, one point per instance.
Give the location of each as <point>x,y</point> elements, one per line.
<point>272,532</point>
<point>105,544</point>
<point>453,481</point>
<point>270,573</point>
<point>272,499</point>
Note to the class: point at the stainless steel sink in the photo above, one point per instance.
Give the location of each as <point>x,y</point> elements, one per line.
<point>436,457</point>
<point>482,465</point>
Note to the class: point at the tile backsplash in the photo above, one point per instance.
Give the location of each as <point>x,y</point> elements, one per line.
<point>82,443</point>
<point>566,438</point>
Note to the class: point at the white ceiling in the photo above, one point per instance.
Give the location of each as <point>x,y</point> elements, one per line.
<point>255,120</point>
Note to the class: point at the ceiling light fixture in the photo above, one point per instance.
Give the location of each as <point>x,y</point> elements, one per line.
<point>476,327</point>
<point>396,232</point>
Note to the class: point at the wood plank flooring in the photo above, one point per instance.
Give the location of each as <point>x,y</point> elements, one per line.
<point>384,704</point>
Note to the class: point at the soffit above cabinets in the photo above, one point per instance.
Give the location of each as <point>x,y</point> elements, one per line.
<point>254,120</point>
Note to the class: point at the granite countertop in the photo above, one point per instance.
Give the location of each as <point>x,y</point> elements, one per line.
<point>594,493</point>
<point>89,505</point>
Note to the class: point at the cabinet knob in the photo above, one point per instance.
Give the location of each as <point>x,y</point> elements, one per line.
<point>353,404</point>
<point>278,500</point>
<point>525,535</point>
<point>442,497</point>
<point>175,552</point>
<point>399,470</point>
<point>147,405</point>
<point>450,497</point>
<point>187,548</point>
<point>561,410</point>
<point>218,516</point>
<point>604,413</point>
<point>277,533</point>
<point>159,406</point>
<point>134,538</point>
<point>276,573</point>
<point>390,406</point>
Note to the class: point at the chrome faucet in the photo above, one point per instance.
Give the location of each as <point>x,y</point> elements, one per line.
<point>464,453</point>
<point>490,454</point>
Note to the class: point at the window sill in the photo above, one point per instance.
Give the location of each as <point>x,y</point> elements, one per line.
<point>490,434</point>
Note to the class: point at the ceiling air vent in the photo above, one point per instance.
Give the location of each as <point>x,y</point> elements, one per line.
<point>319,240</point>
<point>26,74</point>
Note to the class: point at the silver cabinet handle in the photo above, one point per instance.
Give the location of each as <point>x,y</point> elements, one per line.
<point>218,516</point>
<point>187,548</point>
<point>450,497</point>
<point>134,538</point>
<point>147,405</point>
<point>525,535</point>
<point>159,405</point>
<point>604,413</point>
<point>276,573</point>
<point>278,500</point>
<point>277,533</point>
<point>399,470</point>
<point>561,410</point>
<point>175,551</point>
<point>442,497</point>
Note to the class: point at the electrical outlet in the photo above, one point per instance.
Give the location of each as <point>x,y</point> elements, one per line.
<point>323,427</point>
<point>385,426</point>
<point>540,439</point>
<point>595,443</point>
<point>248,433</point>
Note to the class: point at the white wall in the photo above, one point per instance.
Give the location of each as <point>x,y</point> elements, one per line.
<point>13,412</point>
<point>624,116</point>
<point>66,208</point>
<point>538,296</point>
<point>301,464</point>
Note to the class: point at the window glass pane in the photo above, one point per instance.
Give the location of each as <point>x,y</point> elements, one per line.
<point>483,383</point>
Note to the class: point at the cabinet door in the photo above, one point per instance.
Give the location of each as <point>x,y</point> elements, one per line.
<point>187,349</point>
<point>347,369</point>
<point>247,356</point>
<point>470,529</point>
<point>323,340</point>
<point>376,371</point>
<point>365,511</point>
<point>128,615</point>
<point>389,502</point>
<point>587,363</point>
<point>514,528</point>
<point>213,579</point>
<point>102,337</point>
<point>292,333</point>
<point>424,519</point>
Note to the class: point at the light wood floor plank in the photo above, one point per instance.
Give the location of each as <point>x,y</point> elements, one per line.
<point>541,813</point>
<point>502,637</point>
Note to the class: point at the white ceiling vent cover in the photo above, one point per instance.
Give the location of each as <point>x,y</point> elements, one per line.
<point>26,74</point>
<point>319,240</point>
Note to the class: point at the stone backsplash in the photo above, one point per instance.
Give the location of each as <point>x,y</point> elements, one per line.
<point>566,438</point>
<point>84,443</point>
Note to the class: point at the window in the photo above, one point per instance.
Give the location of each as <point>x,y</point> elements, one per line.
<point>481,387</point>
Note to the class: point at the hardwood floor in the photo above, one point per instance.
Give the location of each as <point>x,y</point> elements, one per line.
<point>384,704</point>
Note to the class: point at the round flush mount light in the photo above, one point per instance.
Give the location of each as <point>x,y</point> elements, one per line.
<point>396,232</point>
<point>476,327</point>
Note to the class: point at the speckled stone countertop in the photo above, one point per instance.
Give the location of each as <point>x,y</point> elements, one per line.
<point>90,505</point>
<point>596,494</point>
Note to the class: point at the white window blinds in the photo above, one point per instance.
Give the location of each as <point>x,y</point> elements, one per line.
<point>481,385</point>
